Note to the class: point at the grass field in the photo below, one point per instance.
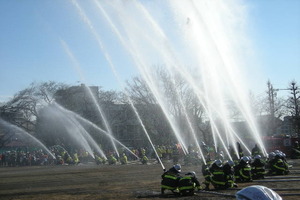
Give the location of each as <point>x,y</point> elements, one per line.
<point>132,181</point>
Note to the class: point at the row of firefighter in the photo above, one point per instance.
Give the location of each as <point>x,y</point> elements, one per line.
<point>219,174</point>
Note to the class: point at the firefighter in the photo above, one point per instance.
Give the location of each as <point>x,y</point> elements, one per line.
<point>295,153</point>
<point>98,159</point>
<point>112,160</point>
<point>270,159</point>
<point>124,159</point>
<point>278,166</point>
<point>170,179</point>
<point>206,173</point>
<point>188,184</point>
<point>76,159</point>
<point>258,168</point>
<point>159,153</point>
<point>240,150</point>
<point>229,174</point>
<point>255,151</point>
<point>144,159</point>
<point>217,175</point>
<point>175,154</point>
<point>242,171</point>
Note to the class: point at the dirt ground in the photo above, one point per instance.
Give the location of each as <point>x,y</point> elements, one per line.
<point>132,181</point>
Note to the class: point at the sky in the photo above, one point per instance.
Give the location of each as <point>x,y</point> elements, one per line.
<point>48,41</point>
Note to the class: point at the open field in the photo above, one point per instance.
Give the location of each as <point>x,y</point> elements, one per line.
<point>132,181</point>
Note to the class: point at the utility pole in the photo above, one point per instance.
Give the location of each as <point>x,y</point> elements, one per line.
<point>271,94</point>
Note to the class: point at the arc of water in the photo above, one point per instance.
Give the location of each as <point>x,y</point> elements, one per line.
<point>96,127</point>
<point>99,109</point>
<point>74,130</point>
<point>207,97</point>
<point>230,79</point>
<point>85,136</point>
<point>167,57</point>
<point>112,66</point>
<point>231,62</point>
<point>139,63</point>
<point>147,72</point>
<point>18,129</point>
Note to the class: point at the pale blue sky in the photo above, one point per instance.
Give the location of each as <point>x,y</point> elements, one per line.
<point>31,50</point>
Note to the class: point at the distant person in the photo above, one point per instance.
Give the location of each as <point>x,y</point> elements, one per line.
<point>295,152</point>
<point>255,151</point>
<point>240,150</point>
<point>144,159</point>
<point>170,179</point>
<point>112,160</point>
<point>124,159</point>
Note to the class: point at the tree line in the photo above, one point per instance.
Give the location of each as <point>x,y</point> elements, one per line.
<point>27,107</point>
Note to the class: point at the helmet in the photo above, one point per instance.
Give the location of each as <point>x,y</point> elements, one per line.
<point>257,192</point>
<point>192,173</point>
<point>277,151</point>
<point>219,162</point>
<point>177,167</point>
<point>272,155</point>
<point>231,163</point>
<point>245,159</point>
<point>278,155</point>
<point>257,157</point>
<point>250,159</point>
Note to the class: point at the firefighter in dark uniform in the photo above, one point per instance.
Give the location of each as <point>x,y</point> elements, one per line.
<point>242,171</point>
<point>229,174</point>
<point>170,179</point>
<point>217,175</point>
<point>258,168</point>
<point>255,151</point>
<point>206,173</point>
<point>278,166</point>
<point>188,184</point>
<point>240,150</point>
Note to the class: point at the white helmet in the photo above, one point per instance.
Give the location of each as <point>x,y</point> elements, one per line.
<point>277,151</point>
<point>245,159</point>
<point>219,163</point>
<point>231,163</point>
<point>257,157</point>
<point>177,167</point>
<point>272,155</point>
<point>257,192</point>
<point>192,173</point>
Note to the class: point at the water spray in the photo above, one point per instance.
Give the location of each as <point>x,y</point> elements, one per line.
<point>96,127</point>
<point>99,109</point>
<point>18,130</point>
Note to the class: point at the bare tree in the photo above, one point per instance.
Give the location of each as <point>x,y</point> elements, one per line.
<point>139,92</point>
<point>293,105</point>
<point>272,108</point>
<point>22,110</point>
<point>179,100</point>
